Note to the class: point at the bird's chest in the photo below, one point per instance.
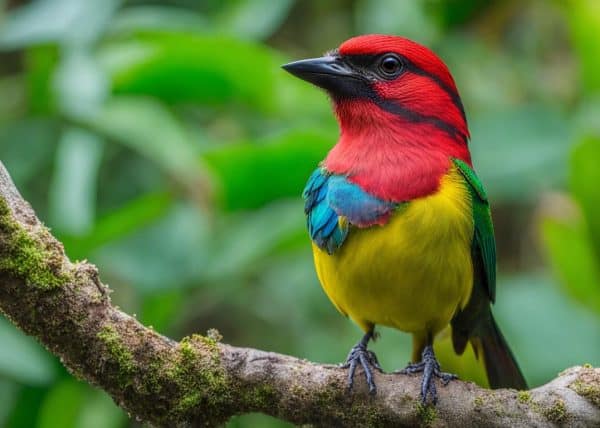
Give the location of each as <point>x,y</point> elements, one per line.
<point>413,272</point>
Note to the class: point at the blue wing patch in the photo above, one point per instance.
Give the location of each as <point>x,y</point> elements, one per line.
<point>332,203</point>
<point>359,207</point>
<point>323,223</point>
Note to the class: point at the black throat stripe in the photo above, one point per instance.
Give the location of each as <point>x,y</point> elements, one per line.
<point>363,63</point>
<point>415,117</point>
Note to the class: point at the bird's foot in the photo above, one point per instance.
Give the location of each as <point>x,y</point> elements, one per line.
<point>359,354</point>
<point>430,368</point>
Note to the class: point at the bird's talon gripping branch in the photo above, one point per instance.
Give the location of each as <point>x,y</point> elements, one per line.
<point>359,354</point>
<point>411,368</point>
<point>447,377</point>
<point>430,368</point>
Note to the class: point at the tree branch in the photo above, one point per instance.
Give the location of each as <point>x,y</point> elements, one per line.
<point>202,382</point>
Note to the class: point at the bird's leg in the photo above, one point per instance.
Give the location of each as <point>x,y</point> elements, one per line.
<point>359,354</point>
<point>430,368</point>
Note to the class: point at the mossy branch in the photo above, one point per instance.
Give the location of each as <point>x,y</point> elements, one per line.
<point>202,382</point>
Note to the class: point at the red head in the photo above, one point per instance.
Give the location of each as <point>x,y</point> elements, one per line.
<point>400,114</point>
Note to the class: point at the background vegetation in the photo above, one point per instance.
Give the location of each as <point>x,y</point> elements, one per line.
<point>161,140</point>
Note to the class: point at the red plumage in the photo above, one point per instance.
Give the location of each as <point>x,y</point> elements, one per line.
<point>420,55</point>
<point>399,157</point>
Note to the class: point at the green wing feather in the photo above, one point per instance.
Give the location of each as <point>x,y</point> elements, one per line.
<point>475,322</point>
<point>484,243</point>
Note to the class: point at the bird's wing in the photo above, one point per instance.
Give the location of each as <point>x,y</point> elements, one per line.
<point>333,204</point>
<point>484,244</point>
<point>476,313</point>
<point>475,323</point>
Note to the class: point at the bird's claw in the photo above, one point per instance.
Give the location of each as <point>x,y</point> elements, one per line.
<point>412,368</point>
<point>359,354</point>
<point>446,377</point>
<point>430,368</point>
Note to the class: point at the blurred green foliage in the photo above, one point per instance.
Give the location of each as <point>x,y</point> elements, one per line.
<point>573,239</point>
<point>162,141</point>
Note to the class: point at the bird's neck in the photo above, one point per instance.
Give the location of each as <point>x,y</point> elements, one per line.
<point>393,158</point>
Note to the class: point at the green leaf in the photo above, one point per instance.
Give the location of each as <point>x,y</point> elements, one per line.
<point>9,392</point>
<point>99,411</point>
<point>586,116</point>
<point>187,67</point>
<point>40,65</point>
<point>74,404</point>
<point>572,256</point>
<point>62,405</point>
<point>119,223</point>
<point>167,254</point>
<point>26,410</point>
<point>73,185</point>
<point>584,179</point>
<point>147,127</point>
<point>584,23</point>
<point>80,86</point>
<point>22,358</point>
<point>190,67</point>
<point>160,310</point>
<point>272,169</point>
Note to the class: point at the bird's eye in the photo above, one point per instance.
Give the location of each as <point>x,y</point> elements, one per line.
<point>390,66</point>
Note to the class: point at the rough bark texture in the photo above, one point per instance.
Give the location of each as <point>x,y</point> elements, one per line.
<point>202,382</point>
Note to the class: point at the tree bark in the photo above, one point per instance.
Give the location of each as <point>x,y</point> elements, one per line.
<point>202,382</point>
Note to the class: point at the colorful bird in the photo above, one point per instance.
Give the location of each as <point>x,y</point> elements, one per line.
<point>400,223</point>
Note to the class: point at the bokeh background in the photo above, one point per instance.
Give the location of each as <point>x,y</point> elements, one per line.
<point>161,141</point>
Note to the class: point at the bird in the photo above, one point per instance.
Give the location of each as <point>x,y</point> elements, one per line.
<point>400,224</point>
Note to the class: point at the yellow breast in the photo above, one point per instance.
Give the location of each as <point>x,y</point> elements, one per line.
<point>411,274</point>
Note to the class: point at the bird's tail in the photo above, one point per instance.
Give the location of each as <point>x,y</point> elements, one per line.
<point>500,364</point>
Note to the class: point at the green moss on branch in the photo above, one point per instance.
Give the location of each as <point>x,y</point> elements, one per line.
<point>427,414</point>
<point>524,397</point>
<point>119,354</point>
<point>26,256</point>
<point>557,412</point>
<point>201,380</point>
<point>588,385</point>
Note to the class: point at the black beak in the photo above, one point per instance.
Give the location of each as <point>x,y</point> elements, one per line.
<point>331,73</point>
